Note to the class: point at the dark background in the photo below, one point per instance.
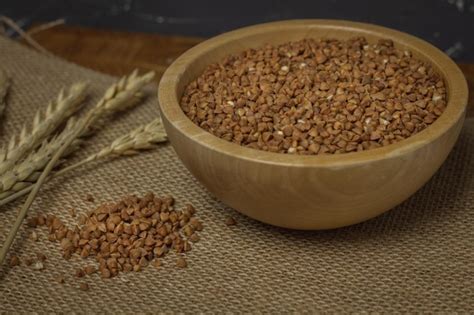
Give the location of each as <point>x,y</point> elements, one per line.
<point>448,24</point>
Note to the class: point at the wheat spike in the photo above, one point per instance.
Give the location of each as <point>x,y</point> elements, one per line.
<point>4,86</point>
<point>44,123</point>
<point>123,94</point>
<point>142,138</point>
<point>35,161</point>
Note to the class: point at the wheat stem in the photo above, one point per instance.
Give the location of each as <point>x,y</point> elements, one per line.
<point>142,138</point>
<point>44,124</point>
<point>45,26</point>
<point>10,23</point>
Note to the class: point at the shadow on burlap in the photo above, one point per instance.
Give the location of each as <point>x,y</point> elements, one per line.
<point>417,258</point>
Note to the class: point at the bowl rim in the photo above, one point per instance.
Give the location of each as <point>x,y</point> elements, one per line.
<point>456,87</point>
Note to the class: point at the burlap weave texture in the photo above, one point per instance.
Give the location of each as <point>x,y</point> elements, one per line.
<point>417,257</point>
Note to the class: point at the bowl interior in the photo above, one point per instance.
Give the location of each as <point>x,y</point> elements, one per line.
<point>192,63</point>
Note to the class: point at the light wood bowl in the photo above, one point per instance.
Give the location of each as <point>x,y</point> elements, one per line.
<point>309,192</point>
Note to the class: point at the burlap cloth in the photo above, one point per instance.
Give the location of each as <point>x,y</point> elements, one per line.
<point>417,258</point>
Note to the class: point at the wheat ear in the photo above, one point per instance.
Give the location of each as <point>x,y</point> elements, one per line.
<point>44,123</point>
<point>142,138</point>
<point>36,160</point>
<point>4,86</point>
<point>116,96</point>
<point>120,96</point>
<point>27,171</point>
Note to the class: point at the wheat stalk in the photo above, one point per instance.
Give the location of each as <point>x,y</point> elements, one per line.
<point>142,138</point>
<point>120,96</point>
<point>117,96</point>
<point>44,123</point>
<point>24,35</point>
<point>4,86</point>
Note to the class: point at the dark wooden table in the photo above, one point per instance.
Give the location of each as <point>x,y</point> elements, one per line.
<point>118,53</point>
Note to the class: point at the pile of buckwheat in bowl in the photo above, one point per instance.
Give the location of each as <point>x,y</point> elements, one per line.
<point>316,96</point>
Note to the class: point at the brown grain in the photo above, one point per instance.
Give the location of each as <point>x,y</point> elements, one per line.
<point>84,287</point>
<point>32,222</point>
<point>181,262</point>
<point>194,238</point>
<point>89,198</point>
<point>127,235</point>
<point>79,273</point>
<point>90,269</point>
<point>316,96</point>
<point>14,261</point>
<point>41,256</point>
<point>230,221</point>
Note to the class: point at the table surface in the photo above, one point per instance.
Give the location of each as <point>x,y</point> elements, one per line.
<point>118,53</point>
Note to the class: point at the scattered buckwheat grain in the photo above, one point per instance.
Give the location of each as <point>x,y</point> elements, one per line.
<point>79,273</point>
<point>89,198</point>
<point>14,261</point>
<point>317,96</point>
<point>41,256</point>
<point>40,220</point>
<point>127,235</point>
<point>32,222</point>
<point>230,221</point>
<point>181,262</point>
<point>194,238</point>
<point>90,269</point>
<point>84,287</point>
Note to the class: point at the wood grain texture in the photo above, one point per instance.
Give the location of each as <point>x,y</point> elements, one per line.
<point>309,192</point>
<point>112,52</point>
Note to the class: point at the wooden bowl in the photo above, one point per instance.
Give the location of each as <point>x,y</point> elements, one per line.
<point>309,192</point>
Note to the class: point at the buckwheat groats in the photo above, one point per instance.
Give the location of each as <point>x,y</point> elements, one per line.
<point>316,96</point>
<point>126,235</point>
